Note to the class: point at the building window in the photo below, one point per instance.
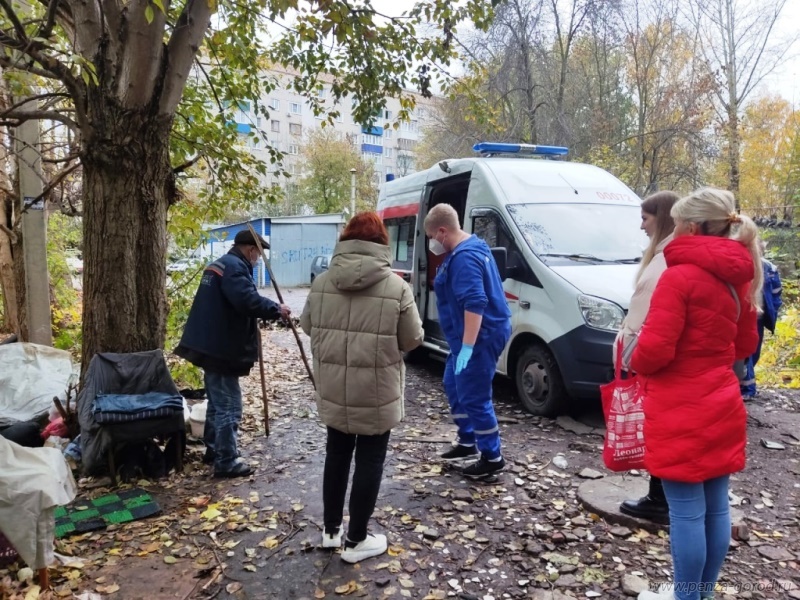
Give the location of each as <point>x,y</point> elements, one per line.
<point>374,140</point>
<point>294,108</point>
<point>255,142</point>
<point>292,169</point>
<point>275,126</point>
<point>258,121</point>
<point>322,93</point>
<point>375,158</point>
<point>421,113</point>
<point>387,114</point>
<point>274,104</point>
<point>387,152</point>
<point>388,133</point>
<point>294,149</point>
<point>296,129</point>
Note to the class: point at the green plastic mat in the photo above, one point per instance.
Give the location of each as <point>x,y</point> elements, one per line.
<point>89,515</point>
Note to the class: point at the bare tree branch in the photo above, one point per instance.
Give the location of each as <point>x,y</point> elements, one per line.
<point>141,55</point>
<point>181,51</point>
<point>12,16</point>
<point>11,235</point>
<point>187,165</point>
<point>13,118</point>
<point>50,21</point>
<point>88,27</point>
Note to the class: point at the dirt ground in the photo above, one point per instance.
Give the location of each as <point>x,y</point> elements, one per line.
<point>522,536</point>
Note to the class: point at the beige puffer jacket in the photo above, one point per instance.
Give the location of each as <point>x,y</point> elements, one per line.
<point>361,318</point>
<point>640,302</point>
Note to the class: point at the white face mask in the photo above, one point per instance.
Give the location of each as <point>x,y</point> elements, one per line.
<point>436,247</point>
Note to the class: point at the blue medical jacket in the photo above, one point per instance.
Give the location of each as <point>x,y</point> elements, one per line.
<point>468,279</point>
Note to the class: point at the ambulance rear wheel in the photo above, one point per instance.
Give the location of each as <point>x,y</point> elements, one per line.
<point>539,384</point>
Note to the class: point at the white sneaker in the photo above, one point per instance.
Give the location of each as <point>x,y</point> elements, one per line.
<point>374,545</point>
<point>332,540</point>
<point>664,593</point>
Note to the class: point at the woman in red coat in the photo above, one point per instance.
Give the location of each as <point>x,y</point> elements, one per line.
<point>702,318</point>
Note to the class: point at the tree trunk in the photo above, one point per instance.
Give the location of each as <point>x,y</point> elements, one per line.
<point>733,150</point>
<point>8,282</point>
<point>128,186</point>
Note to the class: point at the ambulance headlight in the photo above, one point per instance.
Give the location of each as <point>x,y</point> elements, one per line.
<point>600,314</point>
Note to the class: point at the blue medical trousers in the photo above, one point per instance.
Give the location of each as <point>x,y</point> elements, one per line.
<point>748,385</point>
<point>470,394</point>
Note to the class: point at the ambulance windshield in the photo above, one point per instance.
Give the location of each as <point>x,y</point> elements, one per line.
<point>581,233</point>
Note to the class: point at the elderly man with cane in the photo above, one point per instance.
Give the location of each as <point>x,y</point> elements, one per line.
<point>221,338</point>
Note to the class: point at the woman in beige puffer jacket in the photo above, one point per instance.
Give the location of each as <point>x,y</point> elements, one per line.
<point>659,227</point>
<point>362,319</point>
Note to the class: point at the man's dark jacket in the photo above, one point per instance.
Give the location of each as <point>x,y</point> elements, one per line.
<point>220,334</point>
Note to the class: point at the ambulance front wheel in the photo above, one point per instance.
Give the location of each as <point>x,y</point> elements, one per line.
<point>539,384</point>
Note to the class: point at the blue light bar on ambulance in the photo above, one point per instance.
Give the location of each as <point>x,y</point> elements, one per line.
<point>490,148</point>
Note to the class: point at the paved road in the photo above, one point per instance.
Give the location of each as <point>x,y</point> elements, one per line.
<point>294,297</point>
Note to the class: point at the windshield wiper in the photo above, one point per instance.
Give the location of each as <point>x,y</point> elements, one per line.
<point>574,256</point>
<point>629,261</point>
<point>591,257</point>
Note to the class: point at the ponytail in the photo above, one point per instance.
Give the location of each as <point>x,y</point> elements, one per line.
<point>715,212</point>
<point>747,234</point>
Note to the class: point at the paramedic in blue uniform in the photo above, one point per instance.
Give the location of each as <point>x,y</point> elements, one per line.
<point>477,325</point>
<point>768,319</point>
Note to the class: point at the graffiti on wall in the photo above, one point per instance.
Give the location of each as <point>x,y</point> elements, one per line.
<point>305,254</point>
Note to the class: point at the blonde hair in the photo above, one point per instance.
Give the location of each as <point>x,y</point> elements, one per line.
<point>441,215</point>
<point>714,212</point>
<point>658,205</point>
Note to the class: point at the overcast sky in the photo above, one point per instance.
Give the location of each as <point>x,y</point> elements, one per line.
<point>785,80</point>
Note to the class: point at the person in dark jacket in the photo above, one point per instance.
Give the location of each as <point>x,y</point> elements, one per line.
<point>476,322</point>
<point>771,303</point>
<point>221,338</point>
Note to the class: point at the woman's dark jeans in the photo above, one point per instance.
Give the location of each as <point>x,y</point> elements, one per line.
<point>370,453</point>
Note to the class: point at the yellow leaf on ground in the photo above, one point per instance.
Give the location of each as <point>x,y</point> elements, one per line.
<point>348,588</point>
<point>211,512</point>
<point>33,593</point>
<point>318,593</point>
<point>395,551</point>
<point>109,589</point>
<point>170,560</point>
<point>269,543</point>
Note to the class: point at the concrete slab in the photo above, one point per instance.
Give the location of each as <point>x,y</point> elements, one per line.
<point>603,497</point>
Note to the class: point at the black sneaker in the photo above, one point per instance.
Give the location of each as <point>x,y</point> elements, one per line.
<point>238,470</point>
<point>484,468</point>
<point>460,453</point>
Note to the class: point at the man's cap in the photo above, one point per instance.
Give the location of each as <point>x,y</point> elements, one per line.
<point>245,238</point>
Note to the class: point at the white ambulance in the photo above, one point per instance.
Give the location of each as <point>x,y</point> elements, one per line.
<point>567,239</point>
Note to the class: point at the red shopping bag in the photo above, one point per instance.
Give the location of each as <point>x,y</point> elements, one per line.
<point>623,449</point>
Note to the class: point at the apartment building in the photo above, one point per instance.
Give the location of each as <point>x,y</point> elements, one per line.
<point>392,151</point>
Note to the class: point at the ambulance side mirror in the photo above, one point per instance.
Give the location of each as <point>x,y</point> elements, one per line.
<point>500,256</point>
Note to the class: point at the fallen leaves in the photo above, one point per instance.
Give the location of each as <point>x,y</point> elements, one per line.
<point>348,588</point>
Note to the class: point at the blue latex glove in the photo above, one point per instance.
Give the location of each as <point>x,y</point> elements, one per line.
<point>463,358</point>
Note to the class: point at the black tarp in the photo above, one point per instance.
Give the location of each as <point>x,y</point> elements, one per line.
<point>131,373</point>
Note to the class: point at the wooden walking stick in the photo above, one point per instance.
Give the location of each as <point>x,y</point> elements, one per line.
<point>263,381</point>
<point>280,299</point>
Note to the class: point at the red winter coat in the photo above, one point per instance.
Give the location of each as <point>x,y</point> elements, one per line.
<point>695,425</point>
